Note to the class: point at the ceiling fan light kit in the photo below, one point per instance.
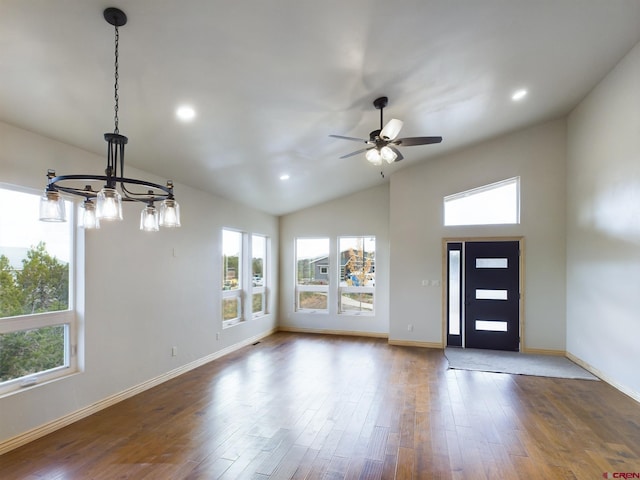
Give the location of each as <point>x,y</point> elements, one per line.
<point>109,197</point>
<point>383,142</point>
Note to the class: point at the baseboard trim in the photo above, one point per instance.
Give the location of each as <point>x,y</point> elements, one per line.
<point>411,343</point>
<point>603,376</point>
<point>543,351</point>
<point>349,333</point>
<point>61,422</point>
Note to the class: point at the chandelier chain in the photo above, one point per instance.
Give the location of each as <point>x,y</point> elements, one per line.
<point>112,188</point>
<point>115,86</point>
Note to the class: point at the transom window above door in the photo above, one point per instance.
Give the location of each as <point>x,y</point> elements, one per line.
<point>494,204</point>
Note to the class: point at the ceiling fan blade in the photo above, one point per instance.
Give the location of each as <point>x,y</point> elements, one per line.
<point>410,141</point>
<point>391,129</point>
<point>356,152</point>
<point>397,152</point>
<point>353,139</point>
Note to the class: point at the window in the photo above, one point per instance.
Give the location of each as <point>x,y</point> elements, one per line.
<point>231,277</point>
<point>37,323</point>
<point>357,274</point>
<point>258,274</point>
<point>312,274</point>
<point>497,203</point>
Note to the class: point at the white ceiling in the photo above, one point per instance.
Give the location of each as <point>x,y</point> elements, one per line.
<point>271,80</point>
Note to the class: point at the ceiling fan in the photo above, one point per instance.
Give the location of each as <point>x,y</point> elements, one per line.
<point>383,142</point>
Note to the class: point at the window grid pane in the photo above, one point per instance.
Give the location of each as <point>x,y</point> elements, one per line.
<point>357,274</point>
<point>27,352</point>
<point>231,260</point>
<point>312,300</point>
<point>258,274</point>
<point>312,274</point>
<point>36,319</point>
<point>312,255</point>
<point>494,204</point>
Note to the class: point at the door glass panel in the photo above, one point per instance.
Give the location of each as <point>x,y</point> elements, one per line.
<point>484,294</point>
<point>492,263</point>
<point>491,325</point>
<point>454,292</point>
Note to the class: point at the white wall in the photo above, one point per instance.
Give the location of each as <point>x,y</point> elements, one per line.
<point>140,300</point>
<point>603,234</point>
<point>363,213</point>
<point>537,155</point>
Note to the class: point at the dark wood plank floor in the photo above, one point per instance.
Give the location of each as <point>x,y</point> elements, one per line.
<point>324,407</point>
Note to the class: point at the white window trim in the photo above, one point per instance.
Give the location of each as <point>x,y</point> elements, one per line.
<point>48,319</point>
<point>238,295</point>
<point>41,320</point>
<point>260,289</point>
<point>311,288</point>
<point>263,292</point>
<point>355,289</point>
<point>478,190</point>
<point>352,289</point>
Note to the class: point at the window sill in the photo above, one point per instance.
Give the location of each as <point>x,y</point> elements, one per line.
<point>16,387</point>
<point>232,323</point>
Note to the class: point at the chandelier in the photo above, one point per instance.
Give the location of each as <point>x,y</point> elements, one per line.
<point>111,189</point>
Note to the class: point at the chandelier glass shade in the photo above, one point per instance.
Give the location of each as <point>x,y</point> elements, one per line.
<point>112,188</point>
<point>52,207</point>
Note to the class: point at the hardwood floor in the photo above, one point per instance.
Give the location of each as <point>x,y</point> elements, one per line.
<point>300,406</point>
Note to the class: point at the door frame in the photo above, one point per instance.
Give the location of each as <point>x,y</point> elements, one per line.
<point>445,268</point>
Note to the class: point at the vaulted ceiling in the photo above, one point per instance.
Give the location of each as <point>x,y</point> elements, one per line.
<point>269,81</point>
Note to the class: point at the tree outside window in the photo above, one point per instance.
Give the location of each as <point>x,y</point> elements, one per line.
<point>357,274</point>
<point>34,284</point>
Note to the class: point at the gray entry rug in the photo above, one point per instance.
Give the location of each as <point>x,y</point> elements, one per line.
<point>515,363</point>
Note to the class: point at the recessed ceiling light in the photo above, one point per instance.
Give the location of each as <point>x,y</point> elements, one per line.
<point>519,95</point>
<point>185,113</point>
<point>284,176</point>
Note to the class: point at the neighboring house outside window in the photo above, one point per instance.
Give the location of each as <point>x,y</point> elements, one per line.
<point>312,275</point>
<point>38,333</point>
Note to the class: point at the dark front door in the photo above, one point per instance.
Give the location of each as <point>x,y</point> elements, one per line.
<point>492,295</point>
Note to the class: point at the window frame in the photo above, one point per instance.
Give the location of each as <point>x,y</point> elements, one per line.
<point>66,318</point>
<point>238,294</point>
<point>449,199</point>
<point>353,288</point>
<point>303,288</point>
<point>260,289</point>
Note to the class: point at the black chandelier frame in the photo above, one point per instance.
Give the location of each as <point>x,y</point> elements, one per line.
<point>114,173</point>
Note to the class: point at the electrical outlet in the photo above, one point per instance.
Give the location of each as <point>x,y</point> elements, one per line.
<point>410,328</point>
<point>174,351</point>
<point>217,335</point>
